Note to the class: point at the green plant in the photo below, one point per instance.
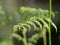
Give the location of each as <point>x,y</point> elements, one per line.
<point>2,17</point>
<point>39,19</point>
<point>50,9</point>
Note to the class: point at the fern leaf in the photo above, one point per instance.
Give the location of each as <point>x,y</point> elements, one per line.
<point>45,24</point>
<point>34,38</point>
<point>38,24</point>
<point>50,21</point>
<point>15,28</point>
<point>29,22</point>
<point>27,26</point>
<point>16,36</point>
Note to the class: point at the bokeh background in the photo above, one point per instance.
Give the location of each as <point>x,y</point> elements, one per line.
<point>9,15</point>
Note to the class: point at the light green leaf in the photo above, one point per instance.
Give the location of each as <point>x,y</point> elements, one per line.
<point>45,24</point>
<point>50,21</point>
<point>29,22</point>
<point>16,36</point>
<point>27,26</point>
<point>38,23</point>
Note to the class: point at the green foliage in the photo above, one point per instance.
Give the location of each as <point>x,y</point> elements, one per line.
<point>7,20</point>
<point>6,42</point>
<point>34,17</point>
<point>2,17</point>
<point>27,13</point>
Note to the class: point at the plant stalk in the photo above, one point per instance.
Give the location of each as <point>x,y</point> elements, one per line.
<point>44,37</point>
<point>24,39</point>
<point>50,9</point>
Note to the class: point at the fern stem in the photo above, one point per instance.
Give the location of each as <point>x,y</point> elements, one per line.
<point>49,37</point>
<point>25,41</point>
<point>25,38</point>
<point>44,37</point>
<point>49,22</point>
<point>50,8</point>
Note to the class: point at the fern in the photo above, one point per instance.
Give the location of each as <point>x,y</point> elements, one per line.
<point>27,13</point>
<point>34,17</point>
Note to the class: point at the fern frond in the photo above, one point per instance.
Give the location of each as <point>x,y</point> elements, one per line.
<point>31,23</point>
<point>38,18</point>
<point>49,20</point>
<point>40,25</point>
<point>45,25</point>
<point>18,37</point>
<point>16,28</point>
<point>34,38</point>
<point>27,25</point>
<point>27,13</point>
